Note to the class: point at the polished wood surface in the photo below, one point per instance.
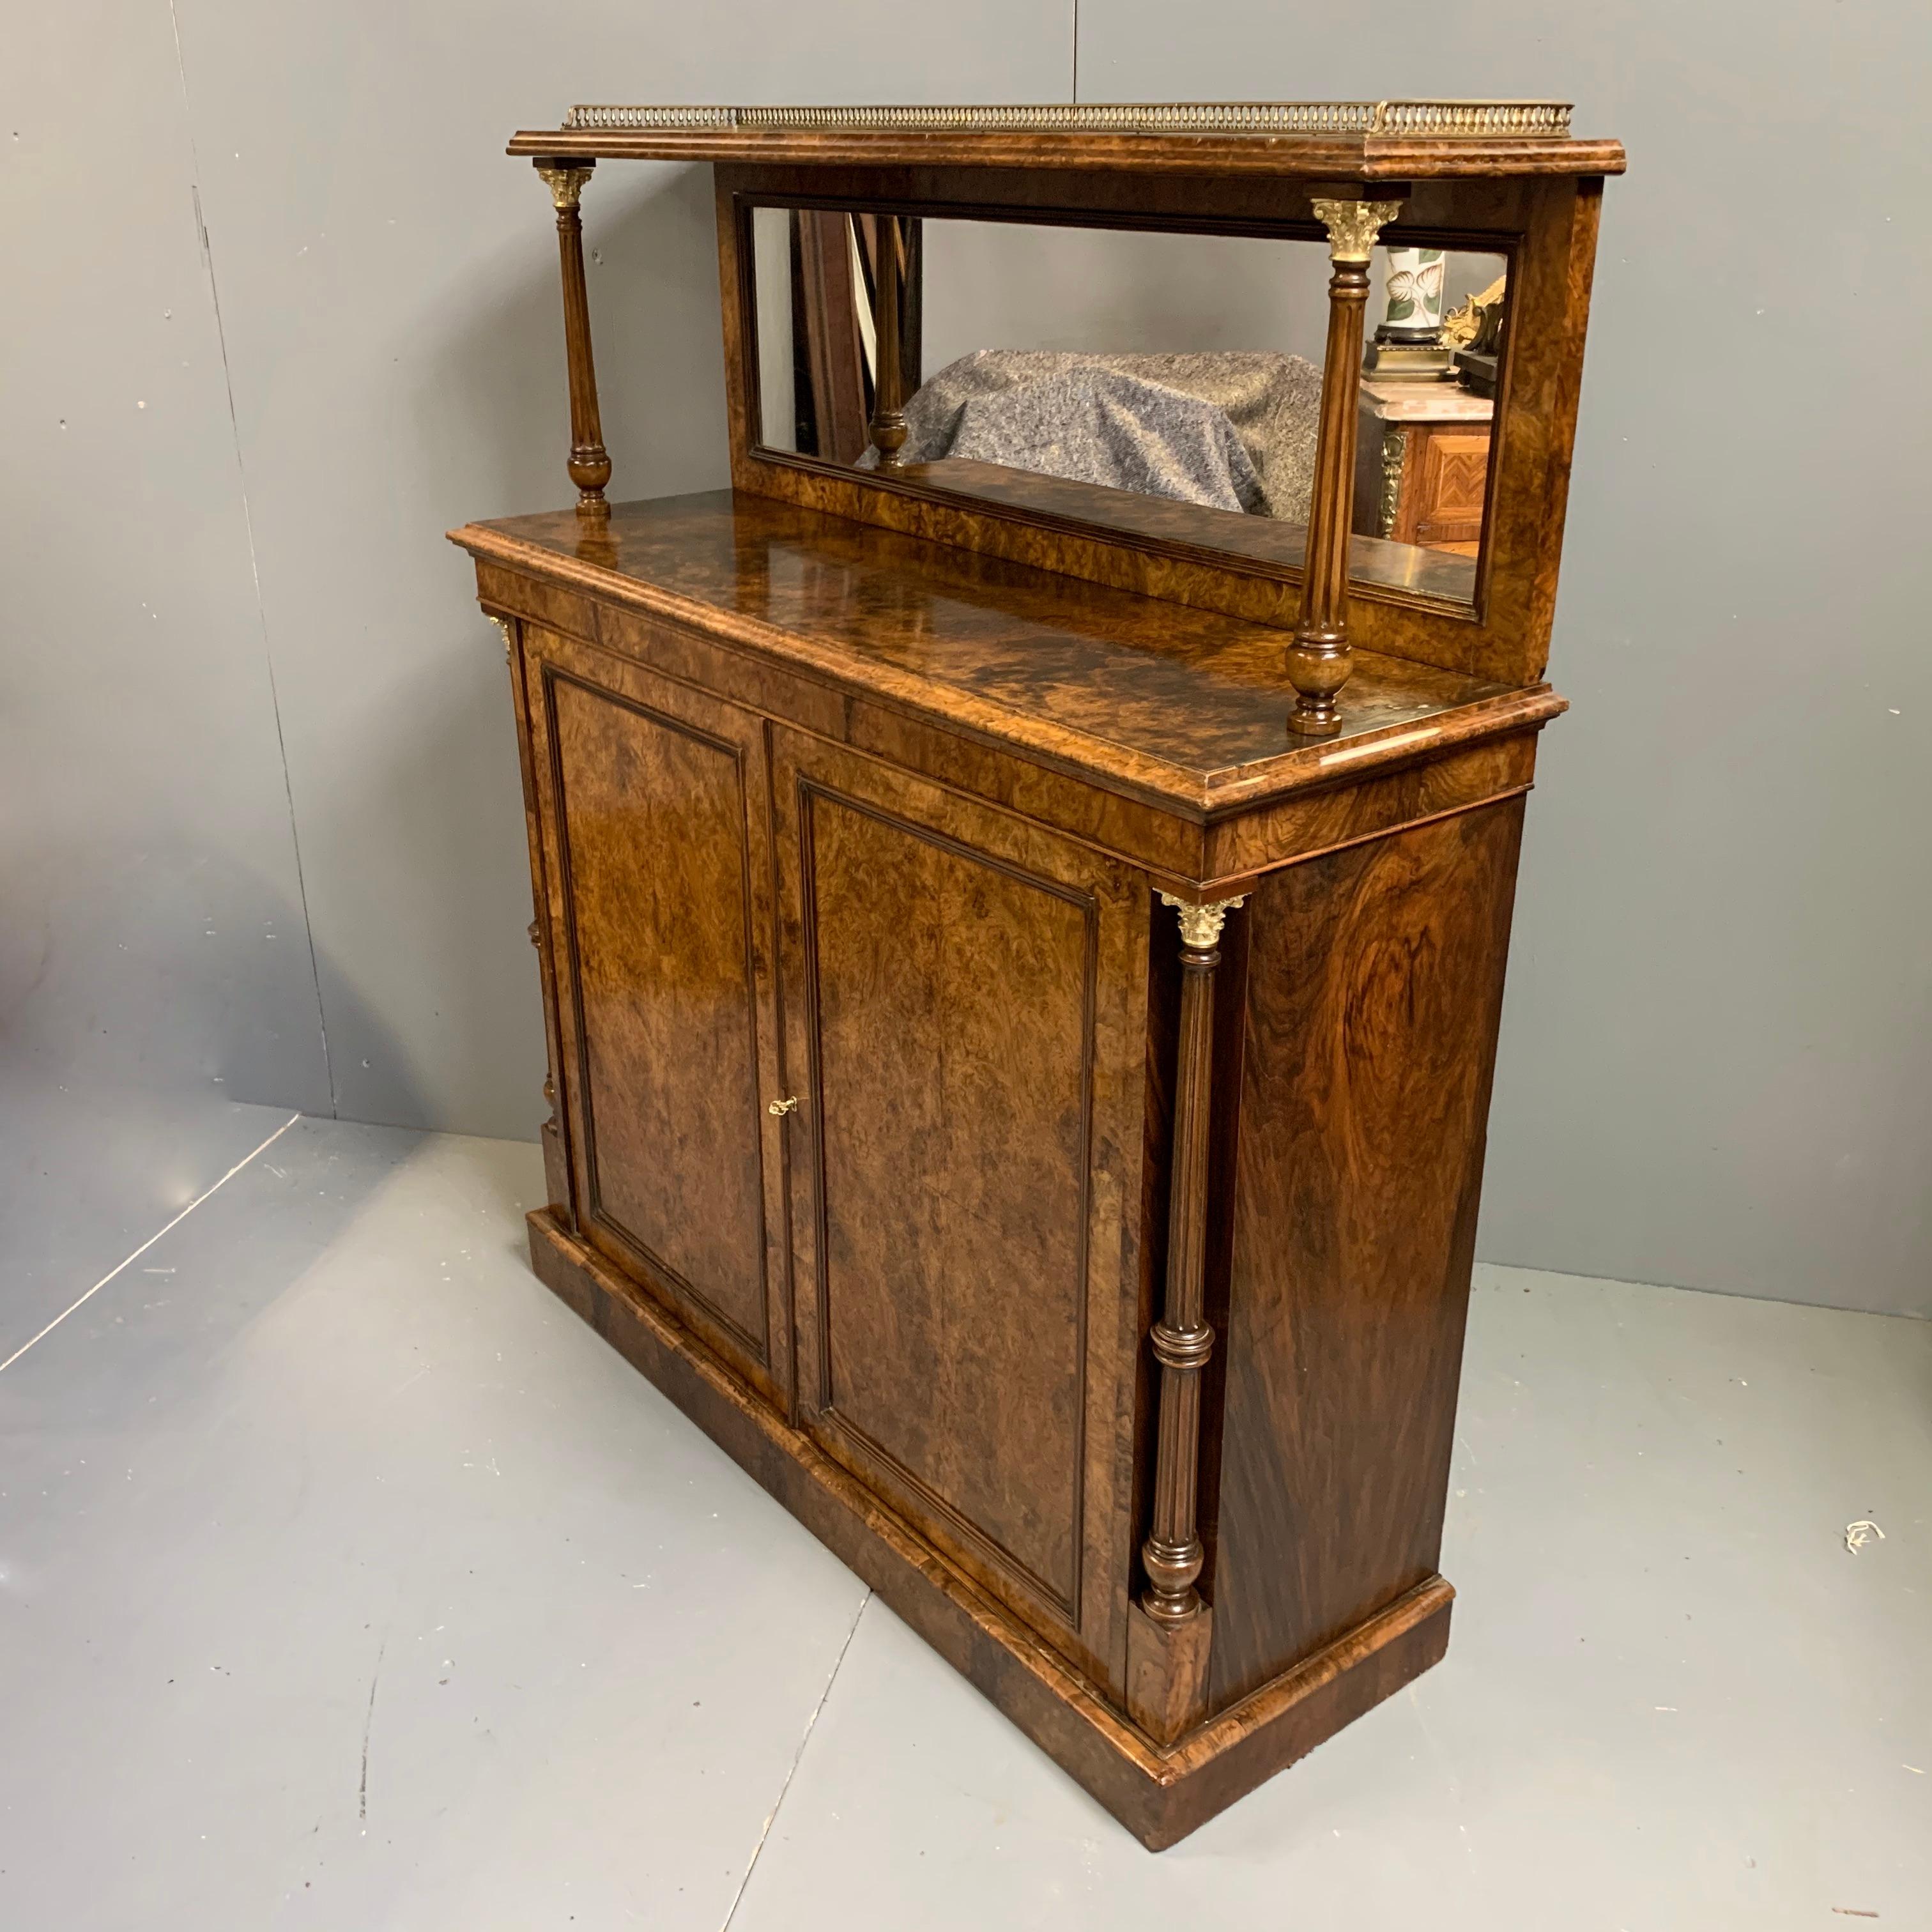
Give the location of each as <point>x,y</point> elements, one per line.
<point>650,829</point>
<point>589,463</point>
<point>1318,659</point>
<point>924,1062</point>
<point>1200,529</point>
<point>1373,157</point>
<point>1374,981</point>
<point>889,394</point>
<point>1180,1341</point>
<point>1182,705</point>
<point>657,867</point>
<point>964,1012</point>
<point>1439,502</point>
<point>1422,467</point>
<point>1168,1643</point>
<point>1026,1107</point>
<point>557,1179</point>
<point>927,1158</point>
<point>831,392</point>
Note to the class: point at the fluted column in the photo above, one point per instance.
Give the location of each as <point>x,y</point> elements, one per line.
<point>1318,661</point>
<point>589,464</point>
<point>889,422</point>
<point>1182,1341</point>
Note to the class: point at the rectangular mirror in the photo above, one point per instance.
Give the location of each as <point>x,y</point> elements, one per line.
<point>1143,382</point>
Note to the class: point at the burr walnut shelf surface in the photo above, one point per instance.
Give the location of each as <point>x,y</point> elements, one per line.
<point>1153,699</point>
<point>1021,1002</point>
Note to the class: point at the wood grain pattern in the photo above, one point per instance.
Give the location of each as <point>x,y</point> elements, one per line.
<point>951,997</point>
<point>1167,1640</point>
<point>887,1116</point>
<point>1180,705</point>
<point>651,813</point>
<point>589,462</point>
<point>1321,158</point>
<point>1181,1342</point>
<point>889,422</point>
<point>656,860</point>
<point>964,1019</point>
<point>1167,1670</point>
<point>1451,484</point>
<point>824,300</point>
<point>1374,984</point>
<point>1318,659</point>
<point>1245,824</point>
<point>1131,1046</point>
<point>557,1179</point>
<point>1200,531</point>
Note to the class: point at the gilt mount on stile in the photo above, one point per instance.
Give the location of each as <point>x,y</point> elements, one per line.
<point>1021,983</point>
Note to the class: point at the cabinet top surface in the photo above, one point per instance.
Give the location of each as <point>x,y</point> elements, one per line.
<point>1351,139</point>
<point>1164,699</point>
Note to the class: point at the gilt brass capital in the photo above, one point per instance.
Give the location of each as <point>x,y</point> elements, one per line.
<point>565,180</point>
<point>1353,226</point>
<point>1201,924</point>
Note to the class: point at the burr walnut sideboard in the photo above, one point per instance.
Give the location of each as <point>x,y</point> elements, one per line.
<point>1022,958</point>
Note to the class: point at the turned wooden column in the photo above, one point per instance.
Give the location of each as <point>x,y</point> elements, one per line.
<point>1167,1665</point>
<point>557,1161</point>
<point>589,463</point>
<point>889,422</point>
<point>1318,661</point>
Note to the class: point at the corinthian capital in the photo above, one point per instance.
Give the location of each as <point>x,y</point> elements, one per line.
<point>1353,226</point>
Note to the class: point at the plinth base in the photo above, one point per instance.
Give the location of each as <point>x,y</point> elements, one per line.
<point>1159,1795</point>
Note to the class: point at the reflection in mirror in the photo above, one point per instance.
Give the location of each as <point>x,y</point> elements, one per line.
<point>1167,385</point>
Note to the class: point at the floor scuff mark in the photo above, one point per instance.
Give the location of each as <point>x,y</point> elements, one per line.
<point>368,1724</point>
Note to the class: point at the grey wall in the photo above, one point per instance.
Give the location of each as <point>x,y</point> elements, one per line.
<point>1715,1067</point>
<point>996,285</point>
<point>231,622</point>
<point>155,965</point>
<point>1716,1062</point>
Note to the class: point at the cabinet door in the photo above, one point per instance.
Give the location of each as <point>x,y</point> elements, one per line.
<point>656,823</point>
<point>1451,484</point>
<point>964,998</point>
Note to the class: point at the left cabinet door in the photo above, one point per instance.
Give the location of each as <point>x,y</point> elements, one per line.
<point>656,848</point>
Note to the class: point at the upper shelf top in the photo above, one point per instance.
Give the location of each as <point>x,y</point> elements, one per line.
<point>1365,140</point>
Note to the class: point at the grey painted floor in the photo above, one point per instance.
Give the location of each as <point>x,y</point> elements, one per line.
<point>348,1581</point>
<point>88,1173</point>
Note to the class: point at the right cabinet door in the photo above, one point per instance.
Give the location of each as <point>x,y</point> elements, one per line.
<point>964,1001</point>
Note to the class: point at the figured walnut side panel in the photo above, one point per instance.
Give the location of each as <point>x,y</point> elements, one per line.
<point>556,1141</point>
<point>1375,980</point>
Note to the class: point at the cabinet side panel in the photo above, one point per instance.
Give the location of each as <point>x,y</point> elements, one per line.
<point>954,997</point>
<point>651,830</point>
<point>556,1147</point>
<point>1375,981</point>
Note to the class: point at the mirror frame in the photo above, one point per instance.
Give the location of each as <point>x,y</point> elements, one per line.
<point>1544,226</point>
